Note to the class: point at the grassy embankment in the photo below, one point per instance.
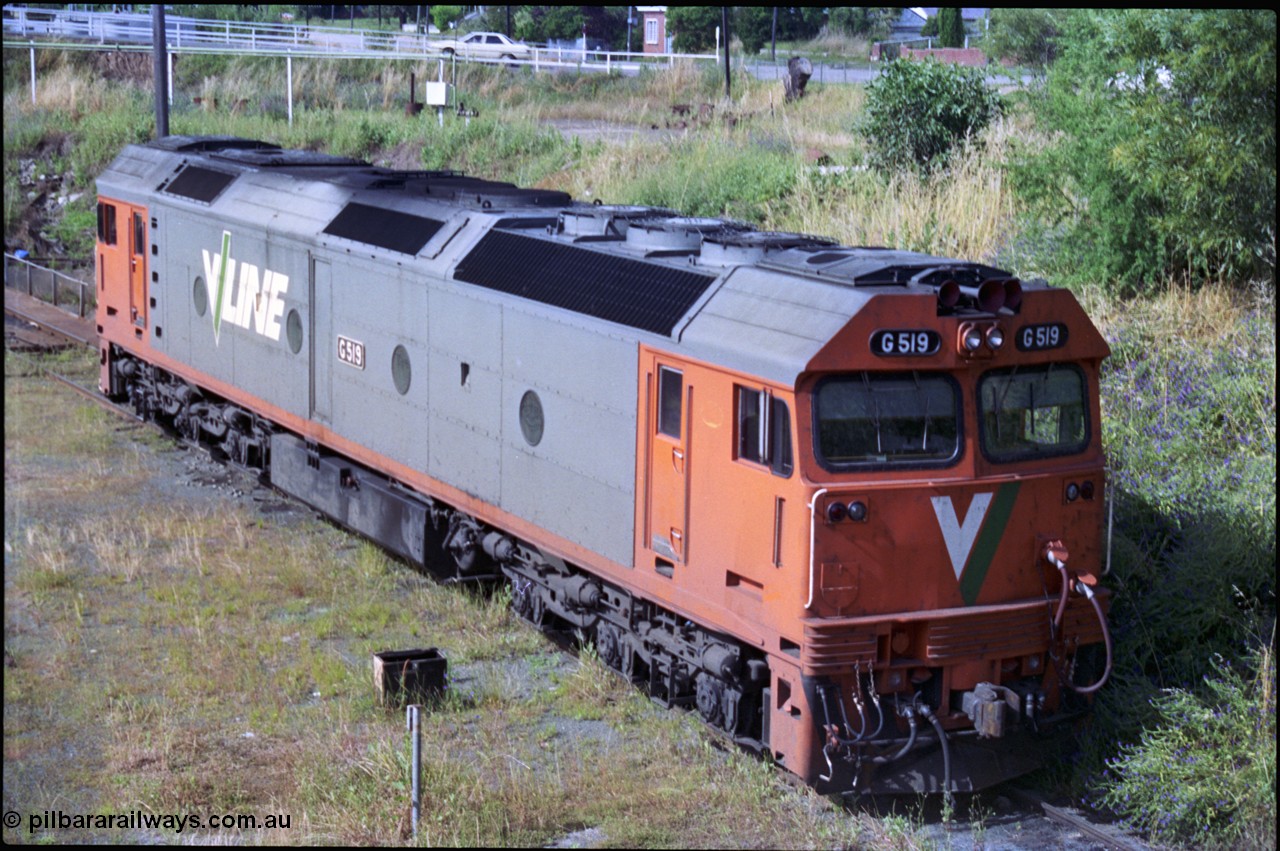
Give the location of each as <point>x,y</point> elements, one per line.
<point>1189,401</point>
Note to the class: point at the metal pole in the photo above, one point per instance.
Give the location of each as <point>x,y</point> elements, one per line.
<point>288,64</point>
<point>33,75</point>
<point>170,79</point>
<point>414,723</point>
<point>724,22</point>
<point>159,67</point>
<point>773,38</point>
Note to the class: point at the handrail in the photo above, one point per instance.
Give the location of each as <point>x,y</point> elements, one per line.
<point>11,281</point>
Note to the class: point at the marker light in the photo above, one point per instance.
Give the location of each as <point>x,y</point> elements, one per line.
<point>972,339</point>
<point>995,337</point>
<point>1073,491</point>
<point>836,512</point>
<point>1086,490</point>
<point>857,511</point>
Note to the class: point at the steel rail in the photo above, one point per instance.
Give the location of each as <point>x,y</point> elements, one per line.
<point>1097,832</point>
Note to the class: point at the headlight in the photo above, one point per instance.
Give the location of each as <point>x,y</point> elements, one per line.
<point>995,337</point>
<point>972,339</point>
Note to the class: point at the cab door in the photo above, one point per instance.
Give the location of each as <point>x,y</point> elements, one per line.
<point>670,403</point>
<point>138,266</point>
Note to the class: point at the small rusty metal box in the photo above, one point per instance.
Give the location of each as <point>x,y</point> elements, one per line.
<point>409,676</point>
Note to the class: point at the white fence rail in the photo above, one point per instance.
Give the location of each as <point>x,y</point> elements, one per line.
<point>97,30</point>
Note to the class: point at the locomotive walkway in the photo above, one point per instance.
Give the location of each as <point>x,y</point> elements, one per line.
<point>38,324</point>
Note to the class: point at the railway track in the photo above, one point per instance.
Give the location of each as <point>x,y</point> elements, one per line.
<point>1091,834</point>
<point>1104,834</point>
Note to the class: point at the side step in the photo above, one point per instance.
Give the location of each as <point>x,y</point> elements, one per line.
<point>352,496</point>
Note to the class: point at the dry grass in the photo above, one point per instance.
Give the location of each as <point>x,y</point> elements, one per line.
<point>968,212</point>
<point>201,657</point>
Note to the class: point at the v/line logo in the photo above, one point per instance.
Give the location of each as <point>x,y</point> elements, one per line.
<point>254,303</point>
<point>972,542</point>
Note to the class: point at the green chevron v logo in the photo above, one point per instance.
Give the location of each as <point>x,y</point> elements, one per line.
<point>971,543</point>
<point>225,258</point>
<point>253,301</point>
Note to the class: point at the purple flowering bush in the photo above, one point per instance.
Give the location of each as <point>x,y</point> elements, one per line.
<point>1205,775</point>
<point>1190,430</point>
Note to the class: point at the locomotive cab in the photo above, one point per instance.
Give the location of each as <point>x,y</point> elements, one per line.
<point>956,477</point>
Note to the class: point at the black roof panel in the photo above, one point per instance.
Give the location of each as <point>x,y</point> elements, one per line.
<point>648,296</point>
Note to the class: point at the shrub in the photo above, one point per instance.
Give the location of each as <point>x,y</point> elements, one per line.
<point>693,27</point>
<point>1166,164</point>
<point>1206,774</point>
<point>1025,35</point>
<point>1190,431</point>
<point>918,112</point>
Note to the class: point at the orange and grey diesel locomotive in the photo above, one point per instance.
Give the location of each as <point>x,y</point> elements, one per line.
<point>845,502</point>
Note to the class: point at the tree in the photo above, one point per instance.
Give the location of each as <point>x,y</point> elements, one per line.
<point>694,27</point>
<point>754,24</point>
<point>442,16</point>
<point>1166,160</point>
<point>1027,36</point>
<point>950,27</point>
<point>869,21</point>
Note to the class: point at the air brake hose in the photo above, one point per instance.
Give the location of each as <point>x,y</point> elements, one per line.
<point>946,750</point>
<point>1082,588</point>
<point>1106,640</point>
<point>911,740</point>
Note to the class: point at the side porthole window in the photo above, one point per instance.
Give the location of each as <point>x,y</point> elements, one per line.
<point>293,330</point>
<point>531,420</point>
<point>401,373</point>
<point>670,395</point>
<point>200,296</point>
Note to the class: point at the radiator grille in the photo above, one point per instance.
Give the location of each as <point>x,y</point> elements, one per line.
<point>648,296</point>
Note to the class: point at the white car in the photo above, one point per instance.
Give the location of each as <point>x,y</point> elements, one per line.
<point>483,45</point>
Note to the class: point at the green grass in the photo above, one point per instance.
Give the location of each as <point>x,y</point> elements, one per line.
<point>1189,425</point>
<point>199,657</point>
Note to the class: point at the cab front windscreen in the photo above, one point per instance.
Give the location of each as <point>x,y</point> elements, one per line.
<point>866,419</point>
<point>1033,412</point>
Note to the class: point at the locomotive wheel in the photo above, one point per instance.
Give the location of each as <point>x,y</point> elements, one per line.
<point>710,697</point>
<point>527,601</point>
<point>609,645</point>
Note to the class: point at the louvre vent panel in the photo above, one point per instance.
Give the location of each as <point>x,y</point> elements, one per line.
<point>648,296</point>
<point>199,184</point>
<point>389,229</point>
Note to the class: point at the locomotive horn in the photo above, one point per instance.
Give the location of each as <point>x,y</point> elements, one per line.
<point>989,297</point>
<point>948,293</point>
<point>1012,293</point>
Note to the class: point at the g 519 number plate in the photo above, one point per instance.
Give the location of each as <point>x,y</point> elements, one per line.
<point>351,352</point>
<point>1035,338</point>
<point>905,343</point>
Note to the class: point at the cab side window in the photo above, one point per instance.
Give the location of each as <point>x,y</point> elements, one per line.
<point>106,223</point>
<point>763,429</point>
<point>670,395</point>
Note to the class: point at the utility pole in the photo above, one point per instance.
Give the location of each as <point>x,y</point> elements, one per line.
<point>724,26</point>
<point>160,66</point>
<point>773,42</point>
